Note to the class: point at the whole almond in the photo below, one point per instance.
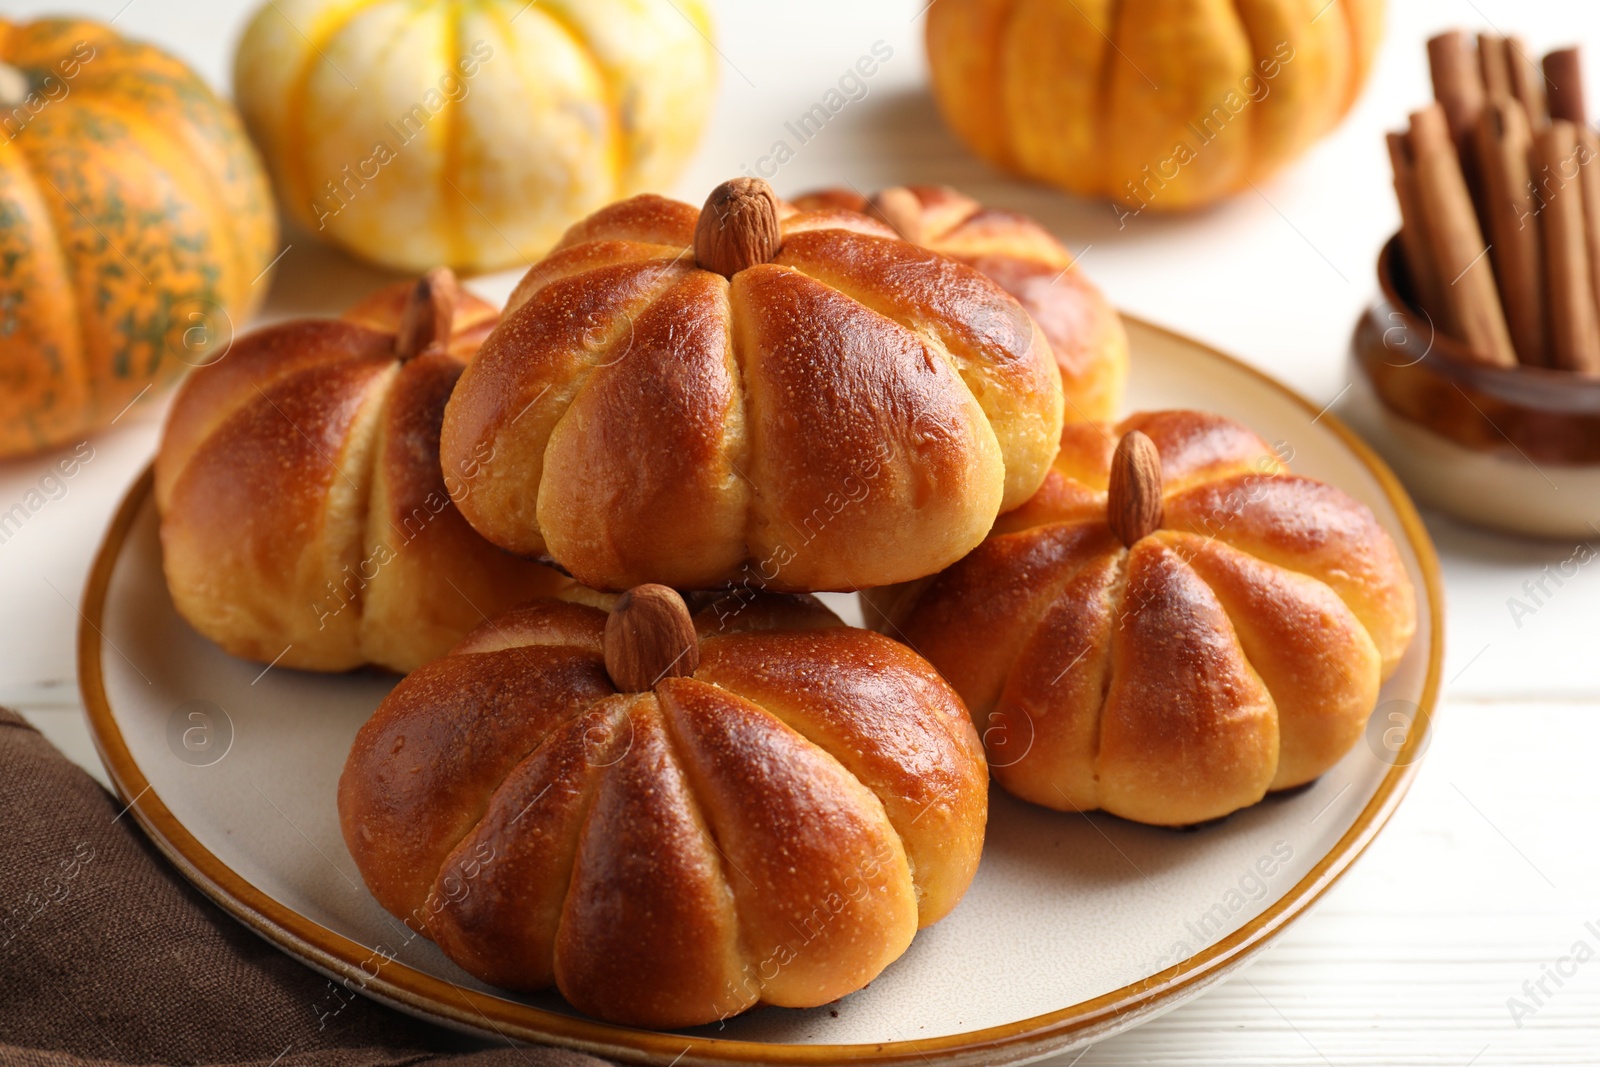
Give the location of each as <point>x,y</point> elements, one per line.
<point>1133,499</point>
<point>649,636</point>
<point>425,320</point>
<point>738,227</point>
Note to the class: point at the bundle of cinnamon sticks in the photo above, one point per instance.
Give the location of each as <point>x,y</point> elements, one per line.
<point>1499,190</point>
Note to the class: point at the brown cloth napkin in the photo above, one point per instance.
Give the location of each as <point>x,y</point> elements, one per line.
<point>107,956</point>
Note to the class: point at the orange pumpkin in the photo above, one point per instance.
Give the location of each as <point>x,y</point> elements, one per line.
<point>1161,104</point>
<point>135,226</point>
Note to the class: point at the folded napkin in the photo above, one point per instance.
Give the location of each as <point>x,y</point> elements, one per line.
<point>107,956</point>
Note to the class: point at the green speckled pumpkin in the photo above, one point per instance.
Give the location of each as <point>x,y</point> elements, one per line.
<point>135,224</point>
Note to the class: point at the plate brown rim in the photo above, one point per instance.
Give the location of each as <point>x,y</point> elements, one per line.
<point>441,1000</point>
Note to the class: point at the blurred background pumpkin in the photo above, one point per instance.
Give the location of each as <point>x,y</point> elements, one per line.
<point>135,227</point>
<point>415,133</point>
<point>1160,104</point>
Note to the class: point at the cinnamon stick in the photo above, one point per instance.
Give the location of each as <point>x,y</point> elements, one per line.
<point>1527,83</point>
<point>1494,60</point>
<point>1503,142</point>
<point>1414,237</point>
<point>1459,252</point>
<point>1589,176</point>
<point>1457,83</point>
<point>1574,331</point>
<point>1563,73</point>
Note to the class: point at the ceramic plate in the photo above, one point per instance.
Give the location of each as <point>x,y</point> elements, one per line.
<point>1075,927</point>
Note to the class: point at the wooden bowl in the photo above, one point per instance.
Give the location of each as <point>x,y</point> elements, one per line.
<point>1516,450</point>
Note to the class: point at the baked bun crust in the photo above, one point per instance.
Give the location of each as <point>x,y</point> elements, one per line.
<point>772,827</point>
<point>1085,332</point>
<point>304,512</point>
<point>1235,649</point>
<point>855,411</point>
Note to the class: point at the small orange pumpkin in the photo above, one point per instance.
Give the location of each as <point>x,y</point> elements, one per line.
<point>135,226</point>
<point>1161,104</point>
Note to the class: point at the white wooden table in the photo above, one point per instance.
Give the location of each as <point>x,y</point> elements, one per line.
<point>1488,874</point>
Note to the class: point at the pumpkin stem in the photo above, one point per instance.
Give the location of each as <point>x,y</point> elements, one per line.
<point>738,227</point>
<point>1133,500</point>
<point>14,86</point>
<point>649,636</point>
<point>425,320</point>
<point>902,210</point>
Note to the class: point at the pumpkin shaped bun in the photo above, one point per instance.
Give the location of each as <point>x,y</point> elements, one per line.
<point>1175,626</point>
<point>305,518</point>
<point>1085,332</point>
<point>794,400</point>
<point>669,818</point>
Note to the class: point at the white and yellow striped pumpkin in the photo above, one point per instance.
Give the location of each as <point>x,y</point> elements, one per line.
<point>416,133</point>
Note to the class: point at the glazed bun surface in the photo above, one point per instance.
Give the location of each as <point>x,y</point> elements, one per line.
<point>304,512</point>
<point>1235,647</point>
<point>854,410</point>
<point>772,825</point>
<point>1085,332</point>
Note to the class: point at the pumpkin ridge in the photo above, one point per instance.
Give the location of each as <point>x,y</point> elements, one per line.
<point>361,441</point>
<point>1117,595</point>
<point>873,811</point>
<point>54,218</point>
<point>591,788</point>
<point>489,798</point>
<point>1252,132</point>
<point>789,722</point>
<point>295,133</point>
<point>508,40</point>
<point>161,145</point>
<point>844,282</point>
<point>1118,634</point>
<point>608,83</point>
<point>103,99</point>
<point>1233,626</point>
<point>217,413</point>
<point>450,141</point>
<point>997,91</point>
<point>692,785</point>
<point>378,530</point>
<point>1012,699</point>
<point>520,651</point>
<point>963,369</point>
<point>580,48</point>
<point>1322,653</point>
<point>1045,602</point>
<point>755,506</point>
<point>739,448</point>
<point>1310,639</point>
<point>593,784</point>
<point>192,148</point>
<point>1100,115</point>
<point>580,380</point>
<point>1283,563</point>
<point>260,392</point>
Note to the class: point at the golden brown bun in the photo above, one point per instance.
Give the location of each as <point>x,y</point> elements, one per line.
<point>1237,649</point>
<point>773,828</point>
<point>1085,332</point>
<point>304,509</point>
<point>854,412</point>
